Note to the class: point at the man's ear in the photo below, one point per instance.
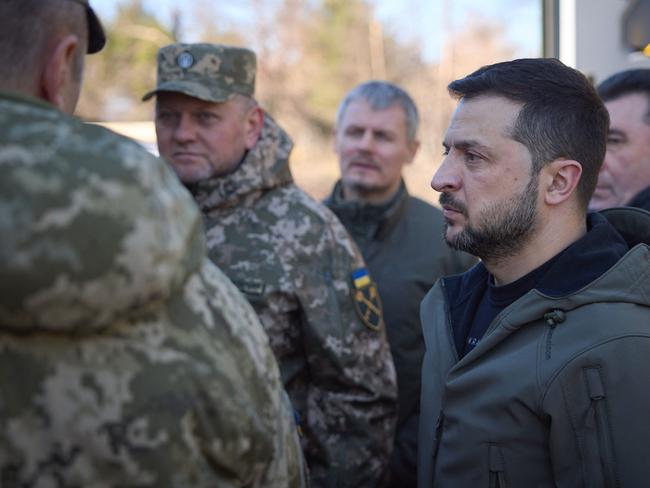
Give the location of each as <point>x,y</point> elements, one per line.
<point>561,178</point>
<point>254,124</point>
<point>58,70</point>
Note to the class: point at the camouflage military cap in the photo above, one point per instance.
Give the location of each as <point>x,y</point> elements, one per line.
<point>210,72</point>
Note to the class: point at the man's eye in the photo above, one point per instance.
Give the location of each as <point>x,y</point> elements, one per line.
<point>165,117</point>
<point>614,140</point>
<point>206,117</point>
<point>471,157</point>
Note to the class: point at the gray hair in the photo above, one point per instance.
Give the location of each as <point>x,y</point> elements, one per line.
<point>381,95</point>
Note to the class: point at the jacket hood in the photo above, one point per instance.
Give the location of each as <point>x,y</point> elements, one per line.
<point>641,199</point>
<point>94,229</point>
<point>633,224</point>
<point>264,167</point>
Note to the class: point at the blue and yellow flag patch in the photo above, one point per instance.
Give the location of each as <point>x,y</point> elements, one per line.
<point>366,299</point>
<point>360,278</point>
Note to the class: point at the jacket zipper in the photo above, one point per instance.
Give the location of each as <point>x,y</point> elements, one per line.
<point>436,444</point>
<point>450,331</point>
<point>597,417</point>
<point>441,416</point>
<point>439,422</point>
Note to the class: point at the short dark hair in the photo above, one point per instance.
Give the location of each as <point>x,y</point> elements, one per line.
<point>26,27</point>
<point>627,82</point>
<point>561,116</point>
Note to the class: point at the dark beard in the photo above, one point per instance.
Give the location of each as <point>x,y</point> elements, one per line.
<point>505,227</point>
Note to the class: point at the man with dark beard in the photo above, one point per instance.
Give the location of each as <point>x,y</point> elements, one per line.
<point>536,358</point>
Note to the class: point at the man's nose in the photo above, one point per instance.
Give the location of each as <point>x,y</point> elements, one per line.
<point>447,177</point>
<point>184,130</point>
<point>366,142</point>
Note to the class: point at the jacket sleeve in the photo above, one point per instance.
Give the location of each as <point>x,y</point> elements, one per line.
<point>352,396</point>
<point>598,408</point>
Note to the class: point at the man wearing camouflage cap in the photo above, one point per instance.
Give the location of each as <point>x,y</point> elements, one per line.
<point>126,357</point>
<point>290,256</point>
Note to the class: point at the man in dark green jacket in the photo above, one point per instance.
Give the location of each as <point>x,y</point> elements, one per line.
<point>537,358</point>
<point>400,237</point>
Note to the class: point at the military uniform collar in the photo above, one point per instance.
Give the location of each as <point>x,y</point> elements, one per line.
<point>264,167</point>
<point>27,99</point>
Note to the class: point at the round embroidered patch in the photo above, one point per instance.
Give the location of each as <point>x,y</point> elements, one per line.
<point>185,60</point>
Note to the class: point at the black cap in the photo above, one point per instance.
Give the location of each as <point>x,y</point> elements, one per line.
<point>96,36</point>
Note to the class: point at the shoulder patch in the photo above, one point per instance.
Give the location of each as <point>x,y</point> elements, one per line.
<point>366,299</point>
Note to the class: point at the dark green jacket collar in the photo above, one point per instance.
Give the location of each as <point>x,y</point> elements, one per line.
<point>367,221</point>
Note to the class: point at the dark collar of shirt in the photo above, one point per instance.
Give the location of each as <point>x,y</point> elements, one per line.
<point>571,269</point>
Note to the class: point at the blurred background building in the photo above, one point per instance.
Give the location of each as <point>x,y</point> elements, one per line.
<point>311,52</point>
<point>598,37</point>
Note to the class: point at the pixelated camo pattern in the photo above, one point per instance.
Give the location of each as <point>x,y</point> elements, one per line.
<point>211,72</point>
<point>294,261</point>
<point>126,357</point>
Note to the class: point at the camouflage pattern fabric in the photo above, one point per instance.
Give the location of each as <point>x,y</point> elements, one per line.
<point>210,72</point>
<point>126,357</point>
<point>295,261</point>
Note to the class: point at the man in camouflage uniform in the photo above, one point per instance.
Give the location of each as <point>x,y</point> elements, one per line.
<point>290,256</point>
<point>126,357</point>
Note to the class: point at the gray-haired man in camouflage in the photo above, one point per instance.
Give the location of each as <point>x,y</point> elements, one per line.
<point>126,357</point>
<point>290,256</point>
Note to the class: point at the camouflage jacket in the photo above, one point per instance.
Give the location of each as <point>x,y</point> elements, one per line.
<point>294,261</point>
<point>126,357</point>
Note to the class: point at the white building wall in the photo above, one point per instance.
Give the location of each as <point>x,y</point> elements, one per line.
<point>591,38</point>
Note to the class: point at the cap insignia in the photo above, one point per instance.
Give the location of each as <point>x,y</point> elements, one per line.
<point>185,60</point>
